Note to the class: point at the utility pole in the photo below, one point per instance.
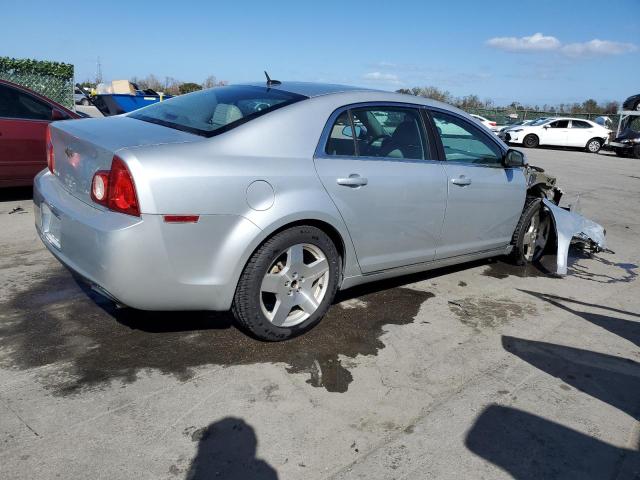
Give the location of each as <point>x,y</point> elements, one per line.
<point>99,72</point>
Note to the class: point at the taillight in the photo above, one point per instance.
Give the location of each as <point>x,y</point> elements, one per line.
<point>493,124</point>
<point>115,189</point>
<point>51,160</point>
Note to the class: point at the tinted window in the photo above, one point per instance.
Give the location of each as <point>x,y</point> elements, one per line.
<point>16,104</point>
<point>464,142</point>
<point>341,141</point>
<point>391,132</point>
<point>560,124</point>
<point>216,110</point>
<point>579,124</point>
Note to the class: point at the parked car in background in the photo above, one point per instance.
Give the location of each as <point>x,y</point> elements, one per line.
<point>491,125</point>
<point>627,142</point>
<point>632,103</point>
<point>24,117</point>
<point>79,97</point>
<point>267,199</point>
<point>515,125</point>
<point>559,132</point>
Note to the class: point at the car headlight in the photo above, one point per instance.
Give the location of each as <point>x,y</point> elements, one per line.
<point>630,140</point>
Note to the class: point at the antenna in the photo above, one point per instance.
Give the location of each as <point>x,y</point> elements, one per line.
<point>98,71</point>
<point>271,82</point>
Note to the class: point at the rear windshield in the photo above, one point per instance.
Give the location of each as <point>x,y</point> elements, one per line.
<point>216,110</point>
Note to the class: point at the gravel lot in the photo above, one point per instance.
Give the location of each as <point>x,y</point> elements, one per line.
<point>480,371</point>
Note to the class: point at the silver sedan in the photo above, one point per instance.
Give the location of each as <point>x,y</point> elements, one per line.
<point>267,199</point>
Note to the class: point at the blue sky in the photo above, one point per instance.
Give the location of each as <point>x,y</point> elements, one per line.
<point>543,51</point>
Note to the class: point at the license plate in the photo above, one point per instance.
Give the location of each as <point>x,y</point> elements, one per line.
<point>50,226</point>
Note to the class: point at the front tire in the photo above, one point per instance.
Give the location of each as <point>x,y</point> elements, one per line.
<point>288,284</point>
<point>594,145</point>
<point>531,141</point>
<point>532,232</point>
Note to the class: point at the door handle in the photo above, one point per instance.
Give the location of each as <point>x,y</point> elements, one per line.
<point>353,180</point>
<point>461,181</point>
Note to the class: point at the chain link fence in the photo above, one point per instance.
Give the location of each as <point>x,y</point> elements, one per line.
<point>51,79</point>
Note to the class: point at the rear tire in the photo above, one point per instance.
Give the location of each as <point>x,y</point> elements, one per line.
<point>532,232</point>
<point>531,141</point>
<point>288,284</point>
<point>594,145</point>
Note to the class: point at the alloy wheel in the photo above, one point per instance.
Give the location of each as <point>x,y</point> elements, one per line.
<point>294,285</point>
<point>593,146</point>
<point>536,236</point>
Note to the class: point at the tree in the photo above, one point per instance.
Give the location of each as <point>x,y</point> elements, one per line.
<point>189,87</point>
<point>211,82</point>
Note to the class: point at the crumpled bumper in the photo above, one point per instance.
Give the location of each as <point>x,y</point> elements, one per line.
<point>570,225</point>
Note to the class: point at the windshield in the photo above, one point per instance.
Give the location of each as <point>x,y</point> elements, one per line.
<point>540,121</point>
<point>216,110</point>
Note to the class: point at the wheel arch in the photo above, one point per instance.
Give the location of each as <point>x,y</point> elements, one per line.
<point>336,231</point>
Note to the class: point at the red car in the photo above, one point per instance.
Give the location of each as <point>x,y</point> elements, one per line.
<point>24,116</point>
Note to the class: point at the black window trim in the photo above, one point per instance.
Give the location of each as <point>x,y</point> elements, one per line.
<point>429,146</point>
<point>495,141</point>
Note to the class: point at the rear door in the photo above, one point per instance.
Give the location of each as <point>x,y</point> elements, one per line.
<point>580,132</point>
<point>23,123</point>
<point>380,170</point>
<point>555,133</point>
<point>484,199</point>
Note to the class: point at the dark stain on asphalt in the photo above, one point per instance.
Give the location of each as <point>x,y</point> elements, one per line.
<point>501,269</point>
<point>88,343</point>
<point>482,313</point>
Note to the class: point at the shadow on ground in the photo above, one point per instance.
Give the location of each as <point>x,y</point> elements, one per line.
<point>227,449</point>
<point>13,194</point>
<point>529,447</point>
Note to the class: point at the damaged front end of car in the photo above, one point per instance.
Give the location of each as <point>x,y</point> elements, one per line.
<point>570,227</point>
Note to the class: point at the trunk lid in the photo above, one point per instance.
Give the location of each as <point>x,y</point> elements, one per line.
<point>82,147</point>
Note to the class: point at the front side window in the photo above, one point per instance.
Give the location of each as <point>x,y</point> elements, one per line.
<point>216,110</point>
<point>17,104</point>
<point>560,124</point>
<point>579,124</point>
<point>464,142</point>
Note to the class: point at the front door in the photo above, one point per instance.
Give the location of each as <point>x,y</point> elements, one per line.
<point>484,199</point>
<point>387,183</point>
<point>555,133</point>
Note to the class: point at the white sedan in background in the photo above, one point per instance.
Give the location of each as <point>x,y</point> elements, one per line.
<point>491,125</point>
<point>560,132</point>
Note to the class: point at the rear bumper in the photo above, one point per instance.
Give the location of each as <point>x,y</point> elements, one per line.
<point>143,262</point>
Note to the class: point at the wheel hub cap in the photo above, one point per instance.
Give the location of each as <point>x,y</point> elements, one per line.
<point>294,285</point>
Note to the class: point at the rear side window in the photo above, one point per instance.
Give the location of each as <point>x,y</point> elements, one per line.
<point>388,132</point>
<point>216,110</point>
<point>560,124</point>
<point>579,124</point>
<point>16,104</point>
<point>464,142</point>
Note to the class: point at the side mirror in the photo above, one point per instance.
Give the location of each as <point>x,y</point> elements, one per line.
<point>546,127</point>
<point>348,131</point>
<point>514,158</point>
<point>58,115</point>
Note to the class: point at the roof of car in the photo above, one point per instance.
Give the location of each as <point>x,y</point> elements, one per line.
<point>312,89</point>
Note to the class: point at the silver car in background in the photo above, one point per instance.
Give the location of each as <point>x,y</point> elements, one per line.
<point>267,199</point>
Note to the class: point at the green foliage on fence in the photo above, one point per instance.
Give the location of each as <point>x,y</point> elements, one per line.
<point>51,79</point>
